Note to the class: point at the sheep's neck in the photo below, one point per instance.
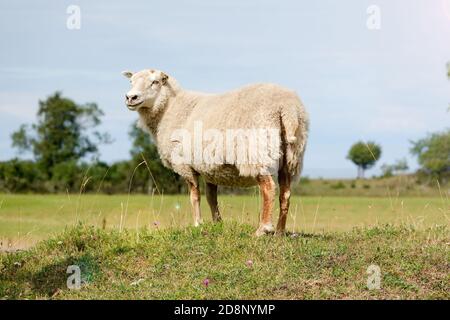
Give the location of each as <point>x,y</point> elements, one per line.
<point>182,103</point>
<point>151,118</point>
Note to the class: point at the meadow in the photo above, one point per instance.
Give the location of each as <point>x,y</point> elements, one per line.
<point>224,261</point>
<point>134,246</point>
<point>26,219</point>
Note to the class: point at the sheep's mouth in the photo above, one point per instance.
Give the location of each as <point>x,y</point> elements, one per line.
<point>134,106</point>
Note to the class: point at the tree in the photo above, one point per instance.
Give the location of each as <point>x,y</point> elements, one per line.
<point>20,176</point>
<point>390,169</point>
<point>433,154</point>
<point>364,155</point>
<point>64,132</point>
<point>152,174</point>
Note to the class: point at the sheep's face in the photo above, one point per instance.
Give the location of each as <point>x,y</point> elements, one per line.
<point>145,88</point>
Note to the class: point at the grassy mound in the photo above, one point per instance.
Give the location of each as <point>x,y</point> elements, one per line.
<point>225,261</point>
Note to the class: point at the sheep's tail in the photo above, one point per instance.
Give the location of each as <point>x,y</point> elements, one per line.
<point>294,125</point>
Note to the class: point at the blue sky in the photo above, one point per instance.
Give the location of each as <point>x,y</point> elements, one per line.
<point>387,85</point>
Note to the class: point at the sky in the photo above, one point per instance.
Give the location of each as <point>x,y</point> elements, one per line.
<point>387,85</point>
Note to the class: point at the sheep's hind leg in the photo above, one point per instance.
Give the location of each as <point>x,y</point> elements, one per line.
<point>267,188</point>
<point>284,180</point>
<point>211,196</point>
<point>194,189</point>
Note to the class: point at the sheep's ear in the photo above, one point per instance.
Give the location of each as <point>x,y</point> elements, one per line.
<point>164,78</point>
<point>127,74</point>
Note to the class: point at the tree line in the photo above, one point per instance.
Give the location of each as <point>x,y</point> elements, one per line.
<point>64,144</point>
<point>432,152</point>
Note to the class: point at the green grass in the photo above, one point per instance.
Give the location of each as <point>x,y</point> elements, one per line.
<point>396,186</point>
<point>136,246</point>
<point>173,263</point>
<point>26,219</point>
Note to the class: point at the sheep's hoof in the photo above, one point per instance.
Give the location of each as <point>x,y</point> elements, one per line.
<point>198,223</point>
<point>264,229</point>
<point>281,233</point>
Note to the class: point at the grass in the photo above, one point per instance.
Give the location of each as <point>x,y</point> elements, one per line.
<point>173,263</point>
<point>26,219</point>
<point>395,186</point>
<point>143,247</point>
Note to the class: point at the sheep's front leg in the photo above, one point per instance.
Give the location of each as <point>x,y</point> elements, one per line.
<point>211,196</point>
<point>194,189</point>
<point>267,188</point>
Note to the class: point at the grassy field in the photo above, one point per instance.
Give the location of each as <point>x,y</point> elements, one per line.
<point>390,187</point>
<point>25,219</point>
<point>225,261</point>
<point>137,246</point>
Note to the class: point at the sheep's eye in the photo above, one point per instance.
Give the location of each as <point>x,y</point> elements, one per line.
<point>155,82</point>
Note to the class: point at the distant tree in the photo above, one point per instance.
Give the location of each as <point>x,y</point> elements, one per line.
<point>152,175</point>
<point>433,153</point>
<point>20,176</point>
<point>389,170</point>
<point>64,132</point>
<point>117,178</point>
<point>364,155</point>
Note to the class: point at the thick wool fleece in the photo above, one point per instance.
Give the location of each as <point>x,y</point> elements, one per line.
<point>257,106</point>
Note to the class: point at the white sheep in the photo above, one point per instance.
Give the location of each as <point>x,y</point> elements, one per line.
<point>240,138</point>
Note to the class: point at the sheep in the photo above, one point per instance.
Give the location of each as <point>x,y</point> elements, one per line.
<point>241,138</point>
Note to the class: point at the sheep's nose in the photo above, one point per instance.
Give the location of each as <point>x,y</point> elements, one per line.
<point>131,97</point>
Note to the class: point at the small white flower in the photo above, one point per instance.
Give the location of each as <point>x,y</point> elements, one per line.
<point>135,283</point>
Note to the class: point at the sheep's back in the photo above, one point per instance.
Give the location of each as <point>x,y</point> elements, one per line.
<point>254,106</point>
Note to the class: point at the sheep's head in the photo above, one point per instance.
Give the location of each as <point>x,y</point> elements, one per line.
<point>146,87</point>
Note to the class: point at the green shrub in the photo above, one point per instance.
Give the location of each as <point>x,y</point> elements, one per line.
<point>338,185</point>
